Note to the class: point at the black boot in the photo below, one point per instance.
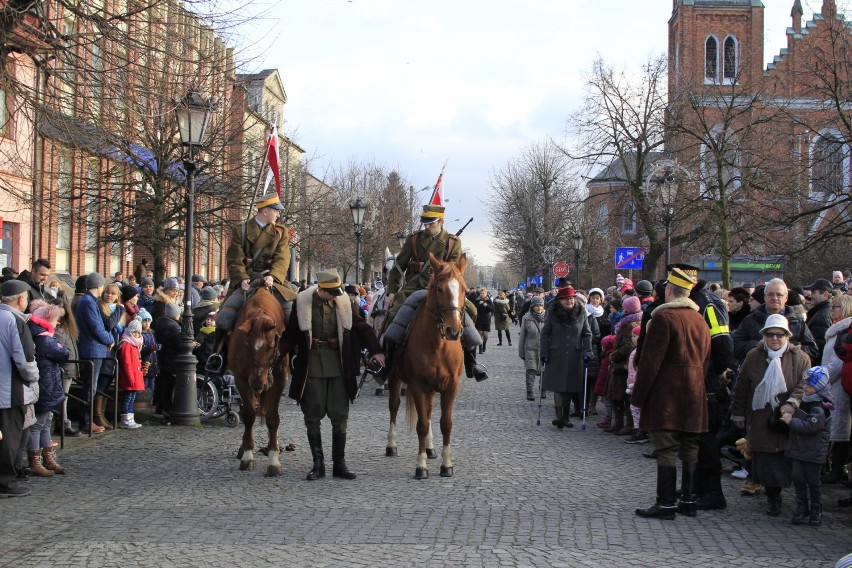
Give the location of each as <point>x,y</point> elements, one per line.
<point>839,456</point>
<point>338,455</point>
<point>315,443</point>
<point>816,516</point>
<point>713,498</point>
<point>775,501</point>
<point>665,506</point>
<point>802,512</point>
<point>687,505</point>
<point>484,343</point>
<point>473,369</point>
<point>559,421</point>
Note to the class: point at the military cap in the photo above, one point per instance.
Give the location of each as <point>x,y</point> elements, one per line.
<point>11,288</point>
<point>680,278</point>
<point>431,213</point>
<point>686,268</point>
<point>270,199</point>
<point>329,281</point>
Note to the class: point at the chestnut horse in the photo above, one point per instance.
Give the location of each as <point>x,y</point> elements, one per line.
<point>431,362</point>
<point>259,371</point>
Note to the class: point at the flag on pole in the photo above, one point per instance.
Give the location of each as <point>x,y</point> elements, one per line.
<point>438,192</point>
<point>272,155</point>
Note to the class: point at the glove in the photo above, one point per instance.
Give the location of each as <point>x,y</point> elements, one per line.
<point>545,359</point>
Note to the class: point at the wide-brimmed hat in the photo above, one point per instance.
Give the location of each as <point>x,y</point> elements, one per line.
<point>270,199</point>
<point>777,321</point>
<point>566,292</point>
<point>329,281</point>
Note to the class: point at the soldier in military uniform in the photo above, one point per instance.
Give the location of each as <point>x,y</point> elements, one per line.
<point>412,271</point>
<point>319,336</point>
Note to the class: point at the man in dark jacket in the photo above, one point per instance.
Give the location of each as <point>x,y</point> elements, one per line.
<point>670,391</point>
<point>748,335</point>
<point>319,336</point>
<point>36,279</point>
<point>819,316</point>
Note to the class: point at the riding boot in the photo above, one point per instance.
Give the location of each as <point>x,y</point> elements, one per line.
<point>713,497</point>
<point>100,419</point>
<point>315,443</point>
<point>665,506</point>
<point>472,369</point>
<point>338,455</point>
<point>687,505</point>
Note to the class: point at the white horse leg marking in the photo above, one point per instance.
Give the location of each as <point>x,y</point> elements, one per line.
<point>453,285</point>
<point>430,442</point>
<point>392,436</point>
<point>421,460</point>
<point>273,458</point>
<point>248,456</point>
<point>447,456</point>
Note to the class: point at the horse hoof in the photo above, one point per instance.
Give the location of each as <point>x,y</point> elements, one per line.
<point>390,452</point>
<point>421,473</point>
<point>273,470</point>
<point>446,471</point>
<point>431,453</point>
<point>247,465</point>
<point>240,453</point>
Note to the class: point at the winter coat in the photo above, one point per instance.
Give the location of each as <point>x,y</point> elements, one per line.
<point>602,380</point>
<point>158,308</point>
<point>149,353</point>
<point>669,385</point>
<point>484,309</point>
<point>794,362</point>
<point>168,334</point>
<point>594,364</point>
<point>94,337</point>
<point>130,376</point>
<point>748,335</point>
<point>565,338</point>
<point>502,314</point>
<point>737,317</point>
<point>50,355</point>
<point>69,370</point>
<point>841,418</point>
<point>529,343</point>
<point>145,301</point>
<point>818,321</point>
<point>618,359</point>
<point>18,369</point>
<point>36,291</point>
<point>809,433</point>
<point>297,341</point>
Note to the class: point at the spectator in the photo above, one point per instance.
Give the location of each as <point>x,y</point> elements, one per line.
<point>841,309</point>
<point>95,342</point>
<point>36,279</point>
<point>66,334</point>
<point>130,301</point>
<point>622,423</point>
<point>168,333</point>
<point>150,366</point>
<point>141,271</point>
<point>146,291</point>
<point>838,282</point>
<point>112,313</point>
<point>502,317</point>
<point>131,378</point>
<point>819,315</point>
<point>529,347</point>
<point>8,273</point>
<point>738,307</point>
<point>18,382</point>
<point>168,293</point>
<point>209,303</point>
<point>771,374</point>
<point>195,290</point>
<point>484,309</point>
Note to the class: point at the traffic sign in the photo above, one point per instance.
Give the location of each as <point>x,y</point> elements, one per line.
<point>629,258</point>
<point>560,269</point>
<point>522,285</point>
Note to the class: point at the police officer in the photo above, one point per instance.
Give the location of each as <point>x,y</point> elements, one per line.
<point>319,336</point>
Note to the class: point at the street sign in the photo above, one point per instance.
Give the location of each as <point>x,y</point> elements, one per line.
<point>560,269</point>
<point>536,279</point>
<point>629,258</point>
<point>522,285</point>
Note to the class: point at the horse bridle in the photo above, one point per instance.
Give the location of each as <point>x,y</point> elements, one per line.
<point>439,319</point>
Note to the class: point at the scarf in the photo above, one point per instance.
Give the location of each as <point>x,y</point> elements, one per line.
<point>594,311</point>
<point>535,317</point>
<point>127,337</point>
<point>49,328</point>
<point>773,382</point>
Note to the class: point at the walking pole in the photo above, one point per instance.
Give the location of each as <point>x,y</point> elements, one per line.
<point>585,389</point>
<point>540,381</point>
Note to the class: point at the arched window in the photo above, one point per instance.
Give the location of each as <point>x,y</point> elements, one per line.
<point>603,218</point>
<point>711,60</point>
<point>720,164</point>
<point>829,161</point>
<point>729,68</point>
<point>628,218</point>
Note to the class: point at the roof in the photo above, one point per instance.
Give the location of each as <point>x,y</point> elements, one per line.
<point>722,3</point>
<point>614,171</point>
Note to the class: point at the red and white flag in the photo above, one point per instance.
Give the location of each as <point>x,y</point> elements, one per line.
<point>272,156</point>
<point>438,192</point>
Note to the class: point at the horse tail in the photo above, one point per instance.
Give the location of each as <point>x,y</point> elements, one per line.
<point>410,410</point>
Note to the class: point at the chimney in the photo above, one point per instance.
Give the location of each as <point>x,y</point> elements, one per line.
<point>796,13</point>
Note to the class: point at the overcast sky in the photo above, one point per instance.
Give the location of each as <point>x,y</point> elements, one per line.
<point>412,83</point>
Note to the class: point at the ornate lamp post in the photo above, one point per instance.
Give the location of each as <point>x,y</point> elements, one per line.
<point>193,114</point>
<point>578,246</point>
<point>358,208</point>
<point>667,175</point>
<point>548,255</point>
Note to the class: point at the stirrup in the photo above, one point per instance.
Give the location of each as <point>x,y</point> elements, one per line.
<point>480,373</point>
<point>214,363</point>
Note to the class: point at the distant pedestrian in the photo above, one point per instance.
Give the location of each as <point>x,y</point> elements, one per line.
<point>529,347</point>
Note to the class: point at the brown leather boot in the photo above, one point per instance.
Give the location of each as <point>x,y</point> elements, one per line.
<point>35,465</point>
<point>100,419</point>
<point>48,456</point>
<point>617,420</point>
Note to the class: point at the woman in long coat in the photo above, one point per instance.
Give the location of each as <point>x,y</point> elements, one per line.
<point>771,375</point>
<point>502,317</point>
<point>529,344</point>
<point>484,309</point>
<point>566,342</point>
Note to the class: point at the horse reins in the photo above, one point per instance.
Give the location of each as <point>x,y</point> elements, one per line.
<point>439,318</point>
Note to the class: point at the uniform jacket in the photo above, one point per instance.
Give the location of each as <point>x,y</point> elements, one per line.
<point>565,338</point>
<point>18,370</point>
<point>130,376</point>
<point>715,314</point>
<point>94,337</point>
<point>747,335</point>
<point>412,262</point>
<point>270,245</point>
<point>669,385</point>
<point>529,344</point>
<point>297,341</point>
<point>794,363</point>
<point>50,355</point>
<point>809,433</point>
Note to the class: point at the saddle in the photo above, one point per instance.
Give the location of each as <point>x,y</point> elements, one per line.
<point>397,330</point>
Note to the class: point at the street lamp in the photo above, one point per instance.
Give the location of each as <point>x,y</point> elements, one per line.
<point>193,114</point>
<point>578,246</point>
<point>358,208</point>
<point>665,175</point>
<point>548,255</point>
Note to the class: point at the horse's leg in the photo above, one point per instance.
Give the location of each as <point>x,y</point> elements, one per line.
<point>248,415</point>
<point>423,403</point>
<point>448,398</point>
<point>393,406</point>
<point>430,443</point>
<point>273,418</point>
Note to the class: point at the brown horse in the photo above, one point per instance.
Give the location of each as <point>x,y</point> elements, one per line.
<point>431,362</point>
<point>260,372</point>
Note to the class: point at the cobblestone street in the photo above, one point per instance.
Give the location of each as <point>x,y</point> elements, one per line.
<point>522,495</point>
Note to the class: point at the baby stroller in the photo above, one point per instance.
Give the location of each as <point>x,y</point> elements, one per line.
<point>218,396</point>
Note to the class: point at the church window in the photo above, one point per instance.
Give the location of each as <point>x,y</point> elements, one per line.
<point>711,60</point>
<point>730,60</point>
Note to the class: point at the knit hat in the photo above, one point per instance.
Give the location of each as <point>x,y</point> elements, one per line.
<point>171,311</point>
<point>212,315</point>
<point>147,282</point>
<point>758,294</point>
<point>145,314</point>
<point>644,288</point>
<point>536,301</point>
<point>170,284</point>
<point>632,305</point>
<point>817,377</point>
<point>127,293</point>
<point>134,326</point>
<point>94,280</point>
<point>619,279</point>
<point>209,293</point>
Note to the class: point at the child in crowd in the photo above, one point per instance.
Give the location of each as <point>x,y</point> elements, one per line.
<point>50,355</point>
<point>206,340</point>
<point>637,436</point>
<point>808,445</point>
<point>149,350</point>
<point>528,344</point>
<point>131,379</point>
<point>602,382</point>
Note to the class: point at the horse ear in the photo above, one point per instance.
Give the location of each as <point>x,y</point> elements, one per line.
<point>434,262</point>
<point>245,327</point>
<point>387,253</point>
<point>462,264</point>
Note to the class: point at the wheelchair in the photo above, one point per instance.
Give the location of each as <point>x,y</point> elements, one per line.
<point>217,396</point>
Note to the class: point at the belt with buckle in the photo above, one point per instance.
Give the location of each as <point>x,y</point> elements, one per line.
<point>320,344</point>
